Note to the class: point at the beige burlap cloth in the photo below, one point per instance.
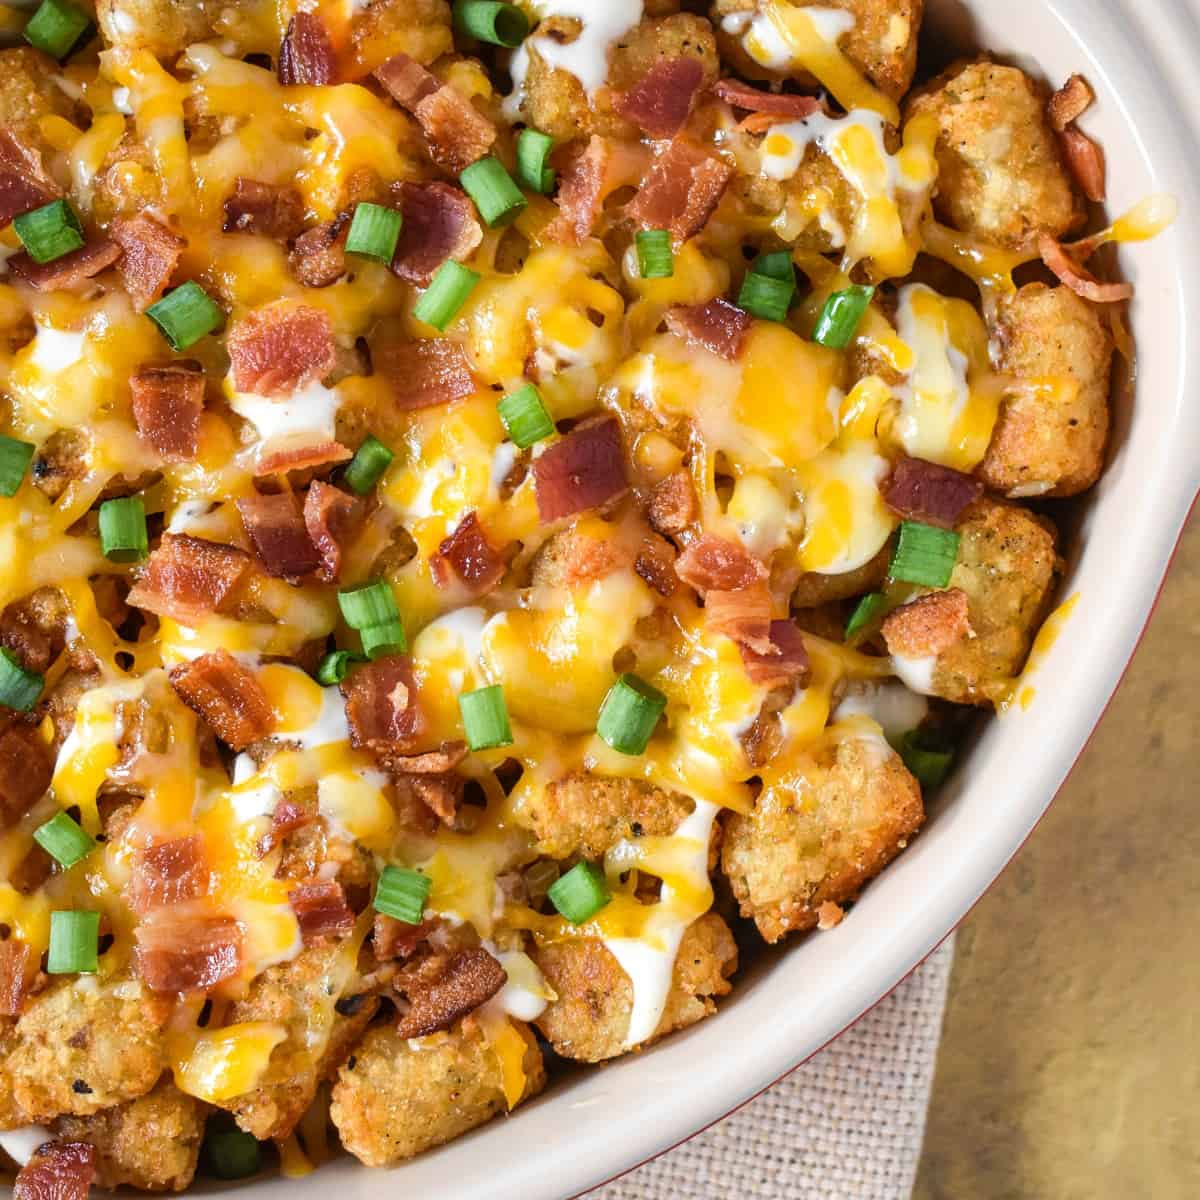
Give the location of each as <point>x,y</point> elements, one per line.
<point>847,1125</point>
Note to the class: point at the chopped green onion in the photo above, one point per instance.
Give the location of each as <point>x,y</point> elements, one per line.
<point>231,1153</point>
<point>185,315</point>
<point>924,554</point>
<point>930,765</point>
<point>629,714</point>
<point>499,24</point>
<point>525,417</point>
<point>533,153</point>
<point>841,315</point>
<point>868,610</point>
<point>766,297</point>
<point>446,294</point>
<point>335,665</point>
<point>776,265</point>
<point>64,840</point>
<point>385,638</point>
<point>485,718</point>
<point>371,604</point>
<point>49,232</point>
<point>402,893</point>
<point>19,688</point>
<point>56,27</point>
<point>74,943</point>
<point>498,199</point>
<point>655,259</point>
<point>15,458</point>
<point>374,231</point>
<point>581,893</point>
<point>367,466</point>
<point>123,536</point>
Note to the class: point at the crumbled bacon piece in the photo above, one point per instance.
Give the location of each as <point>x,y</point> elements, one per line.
<point>187,578</point>
<point>468,556</point>
<point>306,54</point>
<point>321,910</point>
<point>924,491</point>
<point>57,1171</point>
<point>439,223</point>
<point>584,470</point>
<point>672,506</point>
<point>1070,102</point>
<point>24,184</point>
<point>329,515</point>
<point>594,173</point>
<point>1077,277</point>
<point>398,939</point>
<point>655,565</point>
<point>168,399</point>
<point>318,257</point>
<point>425,372</point>
<point>717,326</point>
<point>681,190</point>
<point>299,455</point>
<point>150,254</point>
<point>743,614</point>
<point>287,818</point>
<point>69,271</point>
<point>26,769</point>
<point>711,562</point>
<point>167,874</point>
<point>441,794</point>
<point>264,208</point>
<point>926,626</point>
<point>278,533</point>
<point>441,990</point>
<point>381,704</point>
<point>227,695</point>
<point>181,951</point>
<point>433,762</point>
<point>1085,161</point>
<point>280,347</point>
<point>785,663</point>
<point>752,99</point>
<point>406,81</point>
<point>660,101</point>
<point>16,969</point>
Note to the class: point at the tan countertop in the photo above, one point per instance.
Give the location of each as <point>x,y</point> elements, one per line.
<point>1070,1062</point>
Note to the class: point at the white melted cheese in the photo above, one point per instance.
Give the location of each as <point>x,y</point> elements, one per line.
<point>310,410</point>
<point>21,1144</point>
<point>887,702</point>
<point>765,40</point>
<point>525,993</point>
<point>916,673</point>
<point>56,350</point>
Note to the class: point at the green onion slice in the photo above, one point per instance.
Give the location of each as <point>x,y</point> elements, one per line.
<point>924,555</point>
<point>533,154</point>
<point>498,199</point>
<point>56,27</point>
<point>581,893</point>
<point>655,259</point>
<point>19,689</point>
<point>402,893</point>
<point>382,639</point>
<point>868,610</point>
<point>374,231</point>
<point>15,458</point>
<point>841,315</point>
<point>185,315</point>
<point>123,536</point>
<point>367,466</point>
<point>334,667</point>
<point>371,604</point>
<point>766,297</point>
<point>776,265</point>
<point>524,416</point>
<point>74,943</point>
<point>49,232</point>
<point>629,714</point>
<point>498,24</point>
<point>485,718</point>
<point>231,1153</point>
<point>64,840</point>
<point>930,765</point>
<point>446,294</point>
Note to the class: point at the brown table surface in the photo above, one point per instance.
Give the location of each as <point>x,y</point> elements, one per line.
<point>1070,1062</point>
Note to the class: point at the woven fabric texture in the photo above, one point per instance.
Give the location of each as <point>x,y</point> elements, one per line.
<point>846,1125</point>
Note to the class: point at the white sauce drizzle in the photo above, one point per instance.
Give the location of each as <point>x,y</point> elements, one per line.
<point>21,1144</point>
<point>889,703</point>
<point>310,410</point>
<point>916,673</point>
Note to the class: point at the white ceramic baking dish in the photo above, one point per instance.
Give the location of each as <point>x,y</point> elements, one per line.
<point>1140,55</point>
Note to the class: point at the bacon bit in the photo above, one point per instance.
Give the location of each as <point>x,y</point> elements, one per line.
<point>1070,102</point>
<point>829,915</point>
<point>167,401</point>
<point>717,326</point>
<point>468,556</point>
<point>713,563</point>
<point>925,627</point>
<point>381,705</point>
<point>441,794</point>
<point>661,100</point>
<point>306,54</point>
<point>439,223</point>
<point>786,664</point>
<point>655,565</point>
<point>179,951</point>
<point>752,99</point>
<point>279,535</point>
<point>318,258</point>
<point>425,372</point>
<point>188,578</point>
<point>398,939</point>
<point>151,254</point>
<point>681,190</point>
<point>457,132</point>
<point>287,818</point>
<point>743,614</point>
<point>264,208</point>
<point>321,910</point>
<point>433,762</point>
<point>442,990</point>
<point>26,769</point>
<point>302,456</point>
<point>168,874</point>
<point>24,184</point>
<point>329,515</point>
<point>16,969</point>
<point>227,695</point>
<point>1085,161</point>
<point>1077,277</point>
<point>584,470</point>
<point>924,491</point>
<point>280,347</point>
<point>57,1171</point>
<point>69,271</point>
<point>593,174</point>
<point>672,506</point>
